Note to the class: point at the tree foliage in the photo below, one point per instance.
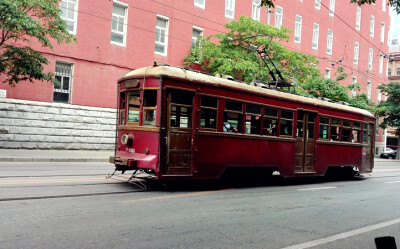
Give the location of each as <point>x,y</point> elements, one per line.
<point>20,22</point>
<point>390,109</point>
<point>393,3</point>
<point>234,53</point>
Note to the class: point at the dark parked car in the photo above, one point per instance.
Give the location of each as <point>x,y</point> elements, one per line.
<point>389,153</point>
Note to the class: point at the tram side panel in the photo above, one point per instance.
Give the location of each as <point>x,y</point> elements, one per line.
<point>336,155</point>
<point>218,152</point>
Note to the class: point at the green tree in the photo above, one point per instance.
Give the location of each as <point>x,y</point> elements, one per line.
<point>20,22</point>
<point>390,109</point>
<point>393,3</point>
<point>234,53</point>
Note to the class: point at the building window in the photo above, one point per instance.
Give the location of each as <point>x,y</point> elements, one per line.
<point>379,97</point>
<point>380,63</point>
<point>315,36</point>
<point>370,58</point>
<point>69,13</point>
<point>62,90</point>
<point>372,26</point>
<point>389,72</point>
<point>329,42</point>
<point>317,4</point>
<point>297,29</point>
<point>356,49</point>
<point>197,32</point>
<point>118,23</point>
<point>398,71</point>
<point>269,11</point>
<point>278,16</point>
<point>200,3</point>
<point>331,7</point>
<point>161,35</point>
<point>369,89</point>
<point>354,91</point>
<point>255,14</point>
<point>384,5</point>
<point>327,73</point>
<point>358,18</point>
<point>230,8</point>
<point>382,32</point>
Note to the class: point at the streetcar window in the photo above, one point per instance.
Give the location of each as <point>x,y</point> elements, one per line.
<point>181,109</point>
<point>233,117</point>
<point>346,135</point>
<point>335,130</point>
<point>253,119</point>
<point>364,138</point>
<point>356,132</point>
<point>133,107</point>
<point>286,123</point>
<point>233,106</point>
<point>323,128</point>
<point>270,121</point>
<point>122,105</point>
<point>270,112</point>
<point>149,107</point>
<point>356,125</point>
<point>208,113</point>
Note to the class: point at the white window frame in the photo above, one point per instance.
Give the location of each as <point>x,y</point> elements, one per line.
<point>62,75</point>
<point>382,32</point>
<point>372,26</point>
<point>329,42</point>
<point>317,4</point>
<point>358,18</point>
<point>354,91</point>
<point>332,7</point>
<point>380,63</point>
<point>165,43</point>
<point>269,11</point>
<point>194,39</point>
<point>297,29</point>
<point>369,89</point>
<point>124,25</point>
<point>356,52</point>
<point>384,5</point>
<point>370,58</point>
<point>200,3</point>
<point>315,36</point>
<point>278,16</point>
<point>255,10</point>
<point>230,7</point>
<point>327,73</point>
<point>379,97</point>
<point>74,20</point>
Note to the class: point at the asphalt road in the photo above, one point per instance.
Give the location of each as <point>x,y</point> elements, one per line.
<point>72,205</point>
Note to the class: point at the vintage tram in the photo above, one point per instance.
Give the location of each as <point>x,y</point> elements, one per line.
<point>176,123</point>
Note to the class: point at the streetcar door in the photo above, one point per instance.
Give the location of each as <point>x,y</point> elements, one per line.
<point>305,141</point>
<point>179,132</point>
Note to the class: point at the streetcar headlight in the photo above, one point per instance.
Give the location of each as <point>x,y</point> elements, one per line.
<point>127,139</point>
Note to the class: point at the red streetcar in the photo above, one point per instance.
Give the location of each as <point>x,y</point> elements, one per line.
<point>176,123</point>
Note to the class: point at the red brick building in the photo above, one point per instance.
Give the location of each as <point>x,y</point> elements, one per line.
<point>115,37</point>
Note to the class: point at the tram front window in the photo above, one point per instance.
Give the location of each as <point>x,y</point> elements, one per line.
<point>133,107</point>
<point>149,107</point>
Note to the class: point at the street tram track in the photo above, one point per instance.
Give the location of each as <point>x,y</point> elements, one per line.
<point>67,196</point>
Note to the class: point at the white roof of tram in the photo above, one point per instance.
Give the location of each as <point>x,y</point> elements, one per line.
<point>191,75</point>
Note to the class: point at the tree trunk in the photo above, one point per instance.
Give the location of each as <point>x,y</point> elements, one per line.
<point>398,144</point>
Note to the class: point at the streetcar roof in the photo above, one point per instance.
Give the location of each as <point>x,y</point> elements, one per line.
<point>190,75</point>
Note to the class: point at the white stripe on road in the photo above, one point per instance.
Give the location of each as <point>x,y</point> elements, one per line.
<point>343,235</point>
<point>393,182</point>
<point>308,189</point>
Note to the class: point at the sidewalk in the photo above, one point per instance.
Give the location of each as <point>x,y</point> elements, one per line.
<point>20,155</point>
